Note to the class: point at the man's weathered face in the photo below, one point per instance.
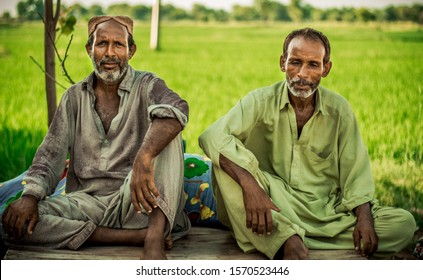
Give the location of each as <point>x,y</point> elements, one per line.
<point>304,66</point>
<point>110,52</point>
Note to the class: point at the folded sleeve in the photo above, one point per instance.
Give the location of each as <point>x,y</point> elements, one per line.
<point>165,103</point>
<point>228,134</point>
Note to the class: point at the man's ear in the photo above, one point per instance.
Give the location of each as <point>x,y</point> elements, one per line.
<point>132,51</point>
<point>282,61</point>
<point>326,68</point>
<point>88,48</point>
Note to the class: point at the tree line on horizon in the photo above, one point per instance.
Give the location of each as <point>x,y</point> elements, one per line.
<point>260,10</point>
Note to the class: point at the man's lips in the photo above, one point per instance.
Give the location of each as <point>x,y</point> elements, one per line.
<point>302,86</point>
<point>109,65</point>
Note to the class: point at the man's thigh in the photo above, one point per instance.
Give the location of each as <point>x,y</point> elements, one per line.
<point>73,206</point>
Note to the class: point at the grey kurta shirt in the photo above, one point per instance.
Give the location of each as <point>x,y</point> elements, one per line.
<point>99,161</point>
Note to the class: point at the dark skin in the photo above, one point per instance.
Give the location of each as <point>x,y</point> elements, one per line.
<point>304,60</point>
<point>111,41</point>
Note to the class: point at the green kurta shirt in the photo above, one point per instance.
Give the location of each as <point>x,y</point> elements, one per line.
<point>327,168</point>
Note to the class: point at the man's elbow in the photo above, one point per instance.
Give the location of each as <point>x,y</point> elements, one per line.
<point>204,139</point>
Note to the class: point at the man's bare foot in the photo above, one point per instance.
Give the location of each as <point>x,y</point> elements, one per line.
<point>157,254</point>
<point>293,249</point>
<point>149,255</point>
<point>154,249</point>
<point>168,243</point>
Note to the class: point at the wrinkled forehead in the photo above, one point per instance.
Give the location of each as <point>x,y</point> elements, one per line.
<point>306,45</point>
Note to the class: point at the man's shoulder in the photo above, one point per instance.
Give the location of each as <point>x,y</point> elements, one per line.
<point>81,85</point>
<point>145,76</point>
<point>75,89</point>
<point>331,94</point>
<point>269,91</point>
<point>334,101</point>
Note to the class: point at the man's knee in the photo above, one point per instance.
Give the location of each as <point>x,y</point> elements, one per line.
<point>396,225</point>
<point>406,225</point>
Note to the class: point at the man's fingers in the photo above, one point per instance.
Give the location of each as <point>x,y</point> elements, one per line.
<point>31,225</point>
<point>152,188</point>
<point>138,200</point>
<point>356,238</point>
<point>19,224</point>
<point>134,200</point>
<point>149,191</point>
<point>248,219</point>
<point>365,248</point>
<point>276,208</point>
<point>12,226</point>
<point>141,196</point>
<point>374,244</point>
<point>368,245</point>
<point>373,249</point>
<point>144,203</point>
<point>261,223</point>
<point>269,222</point>
<point>254,221</point>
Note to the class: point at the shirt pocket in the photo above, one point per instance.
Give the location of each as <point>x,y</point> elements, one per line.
<point>319,162</point>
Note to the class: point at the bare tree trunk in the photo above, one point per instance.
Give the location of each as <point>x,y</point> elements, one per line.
<point>155,26</point>
<point>50,22</point>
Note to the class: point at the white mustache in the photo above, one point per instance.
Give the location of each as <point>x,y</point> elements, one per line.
<point>302,82</point>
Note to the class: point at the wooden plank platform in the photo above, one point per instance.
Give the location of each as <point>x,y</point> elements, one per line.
<point>200,244</point>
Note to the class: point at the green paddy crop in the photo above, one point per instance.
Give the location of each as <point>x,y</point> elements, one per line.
<point>377,67</point>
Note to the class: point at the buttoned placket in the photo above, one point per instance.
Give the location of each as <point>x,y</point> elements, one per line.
<point>106,139</point>
<point>295,162</point>
<point>297,144</point>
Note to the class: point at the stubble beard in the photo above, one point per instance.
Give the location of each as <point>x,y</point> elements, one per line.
<point>303,94</point>
<point>109,77</point>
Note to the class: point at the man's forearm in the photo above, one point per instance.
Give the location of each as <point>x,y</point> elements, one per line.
<point>162,131</point>
<point>239,174</point>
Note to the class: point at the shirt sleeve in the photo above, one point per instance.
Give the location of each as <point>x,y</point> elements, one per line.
<point>49,161</point>
<point>228,134</point>
<point>356,180</point>
<point>165,103</point>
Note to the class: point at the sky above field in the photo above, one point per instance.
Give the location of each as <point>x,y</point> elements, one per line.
<point>10,5</point>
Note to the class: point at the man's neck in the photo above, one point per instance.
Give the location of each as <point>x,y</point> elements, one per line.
<point>301,104</point>
<point>106,88</point>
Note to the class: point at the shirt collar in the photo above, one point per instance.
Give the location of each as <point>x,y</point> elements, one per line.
<point>319,99</point>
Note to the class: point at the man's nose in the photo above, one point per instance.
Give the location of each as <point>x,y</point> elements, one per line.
<point>110,50</point>
<point>303,72</point>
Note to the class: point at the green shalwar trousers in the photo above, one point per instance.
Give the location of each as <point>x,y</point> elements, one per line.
<point>318,224</point>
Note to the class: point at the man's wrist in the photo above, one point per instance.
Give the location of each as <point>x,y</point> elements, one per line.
<point>363,211</point>
<point>30,196</point>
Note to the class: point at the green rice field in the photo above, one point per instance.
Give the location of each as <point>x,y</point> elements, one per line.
<point>377,67</point>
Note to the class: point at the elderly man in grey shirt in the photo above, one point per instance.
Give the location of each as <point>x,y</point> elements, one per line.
<point>121,130</point>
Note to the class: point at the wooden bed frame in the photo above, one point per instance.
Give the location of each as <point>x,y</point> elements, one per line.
<point>201,243</point>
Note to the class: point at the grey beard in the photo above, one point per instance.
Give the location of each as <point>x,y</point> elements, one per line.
<point>107,77</point>
<point>300,94</point>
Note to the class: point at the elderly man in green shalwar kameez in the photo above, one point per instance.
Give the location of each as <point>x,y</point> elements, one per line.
<point>291,170</point>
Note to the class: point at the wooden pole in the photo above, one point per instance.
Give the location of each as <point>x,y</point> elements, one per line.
<point>50,21</point>
<point>155,26</point>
